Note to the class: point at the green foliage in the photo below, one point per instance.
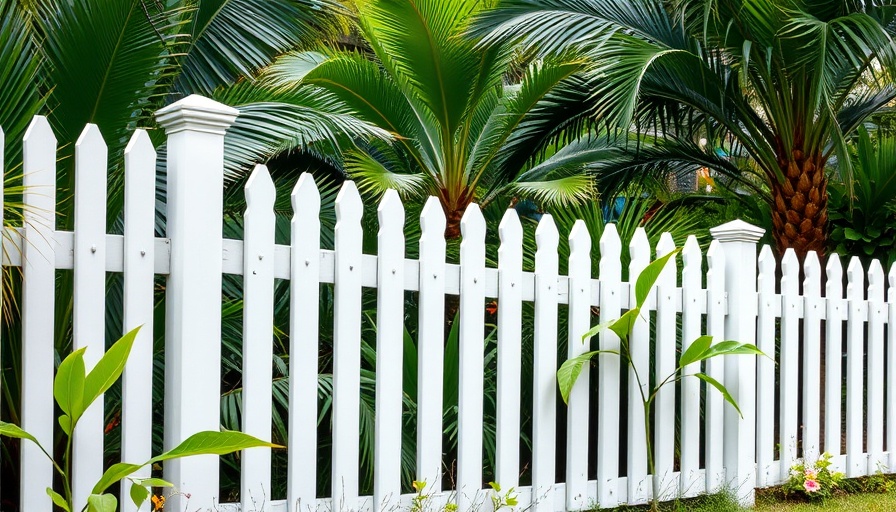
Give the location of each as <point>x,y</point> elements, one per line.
<point>769,82</point>
<point>813,481</point>
<point>460,133</point>
<point>504,499</point>
<point>863,211</point>
<point>74,392</point>
<point>700,350</point>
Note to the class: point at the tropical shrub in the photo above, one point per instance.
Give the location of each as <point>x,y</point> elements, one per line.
<point>74,390</point>
<point>779,85</point>
<point>813,481</point>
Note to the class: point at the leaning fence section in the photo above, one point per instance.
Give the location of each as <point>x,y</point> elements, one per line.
<point>838,345</point>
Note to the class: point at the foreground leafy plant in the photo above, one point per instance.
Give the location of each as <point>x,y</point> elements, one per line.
<point>74,391</point>
<point>700,350</point>
<point>815,481</point>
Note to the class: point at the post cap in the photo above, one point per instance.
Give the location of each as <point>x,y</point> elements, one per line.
<point>196,113</point>
<point>737,231</point>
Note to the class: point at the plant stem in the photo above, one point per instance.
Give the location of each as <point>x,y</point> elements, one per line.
<point>651,469</point>
<point>67,465</point>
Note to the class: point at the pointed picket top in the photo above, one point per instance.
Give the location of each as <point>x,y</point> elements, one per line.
<point>812,271</point>
<point>790,273</point>
<point>610,248</point>
<point>432,217</point>
<point>260,190</point>
<point>472,225</point>
<point>579,239</point>
<point>665,245</point>
<point>510,230</point>
<point>39,132</point>
<point>834,270</point>
<point>90,138</point>
<point>390,214</point>
<point>139,146</point>
<point>875,281</point>
<point>766,261</point>
<point>546,235</point>
<point>639,249</point>
<point>891,293</point>
<point>349,207</point>
<point>690,253</point>
<point>305,196</point>
<point>855,279</point>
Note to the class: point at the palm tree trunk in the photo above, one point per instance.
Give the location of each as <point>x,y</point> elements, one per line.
<point>800,205</point>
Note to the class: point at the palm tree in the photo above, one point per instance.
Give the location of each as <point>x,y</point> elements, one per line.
<point>115,62</point>
<point>460,132</point>
<point>780,83</point>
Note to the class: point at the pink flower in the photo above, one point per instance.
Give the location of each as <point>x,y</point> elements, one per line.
<point>810,474</point>
<point>811,486</point>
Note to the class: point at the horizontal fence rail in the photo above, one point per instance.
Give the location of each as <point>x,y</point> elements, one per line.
<point>824,341</point>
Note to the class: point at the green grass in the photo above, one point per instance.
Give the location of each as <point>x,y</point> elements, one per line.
<point>771,502</point>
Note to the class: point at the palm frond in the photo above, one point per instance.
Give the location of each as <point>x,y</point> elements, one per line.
<point>560,192</point>
<point>235,38</point>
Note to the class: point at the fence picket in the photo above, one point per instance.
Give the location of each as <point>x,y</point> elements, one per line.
<point>544,373</point>
<point>856,460</point>
<point>765,369</point>
<point>789,361</point>
<point>638,483</point>
<point>812,304</point>
<point>833,354</point>
<point>304,298</point>
<point>89,320</point>
<point>38,304</point>
<point>510,321</point>
<point>430,345</point>
<point>139,259</point>
<point>666,334</point>
<point>258,337</point>
<point>389,352</point>
<point>691,320</point>
<point>577,410</point>
<point>608,364</point>
<point>877,316</point>
<point>715,368</point>
<point>471,359</point>
<point>346,347</point>
<point>891,369</point>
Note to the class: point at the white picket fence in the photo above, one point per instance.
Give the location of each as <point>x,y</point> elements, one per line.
<point>732,296</point>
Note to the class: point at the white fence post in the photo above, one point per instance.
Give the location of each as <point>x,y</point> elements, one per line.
<point>195,128</point>
<point>738,240</point>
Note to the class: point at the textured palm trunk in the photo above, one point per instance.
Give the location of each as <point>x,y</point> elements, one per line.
<point>454,213</point>
<point>800,205</point>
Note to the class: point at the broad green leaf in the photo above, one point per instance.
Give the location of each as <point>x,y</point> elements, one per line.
<point>724,391</point>
<point>139,494</point>
<point>693,353</point>
<point>68,387</point>
<point>624,324</point>
<point>152,482</point>
<point>101,503</point>
<point>10,430</point>
<point>109,368</point>
<point>114,474</point>
<point>212,443</point>
<point>597,329</point>
<point>730,348</point>
<point>58,500</point>
<point>647,278</point>
<point>571,369</point>
<point>65,421</point>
